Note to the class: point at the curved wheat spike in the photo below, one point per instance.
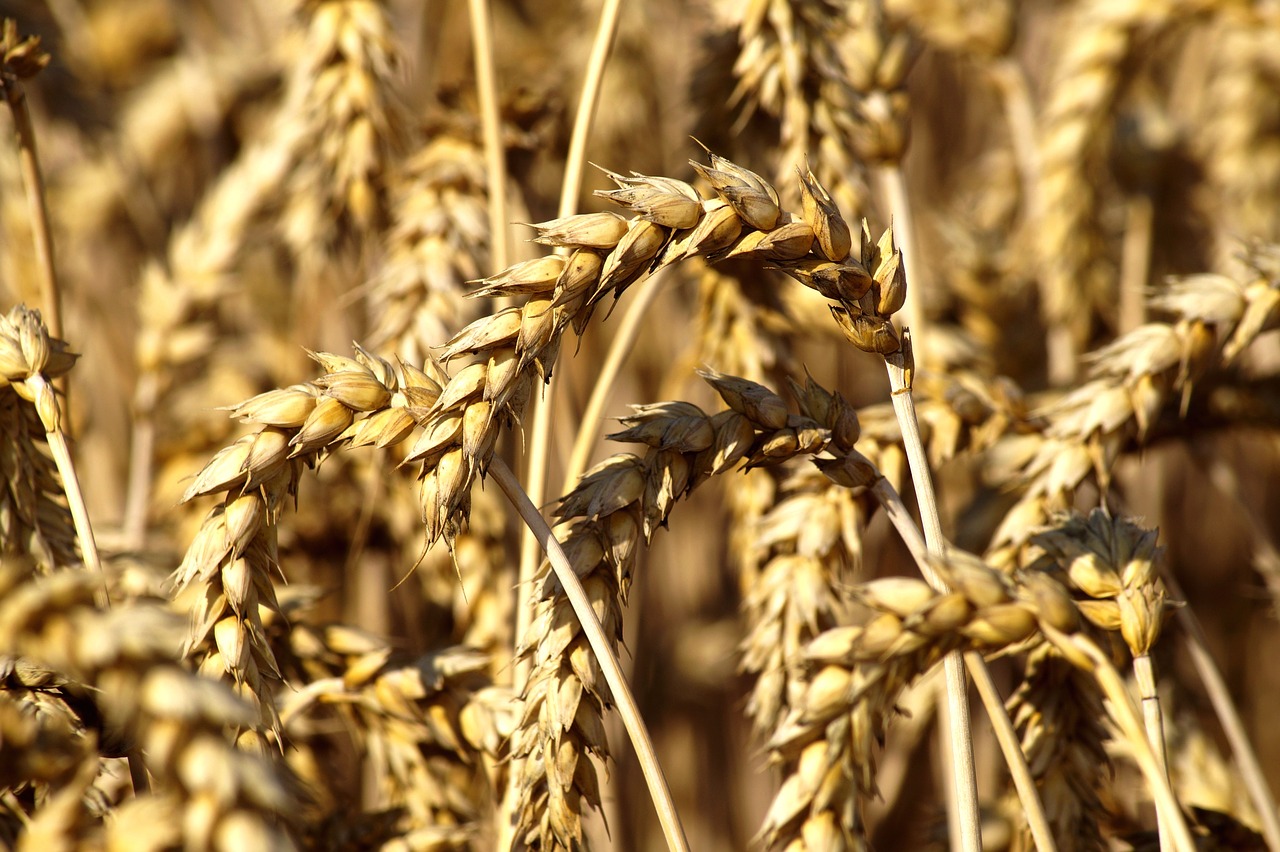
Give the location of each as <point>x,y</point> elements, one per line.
<point>229,564</point>
<point>1242,158</point>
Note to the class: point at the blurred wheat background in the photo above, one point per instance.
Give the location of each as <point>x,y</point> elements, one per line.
<point>258,224</point>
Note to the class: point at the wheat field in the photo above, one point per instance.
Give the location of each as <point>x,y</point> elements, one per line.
<point>803,425</point>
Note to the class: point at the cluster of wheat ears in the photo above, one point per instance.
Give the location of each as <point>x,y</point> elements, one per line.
<point>954,315</point>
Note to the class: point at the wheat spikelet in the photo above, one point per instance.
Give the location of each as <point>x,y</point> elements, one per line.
<point>1111,561</point>
<point>981,30</point>
<point>421,740</point>
<point>1087,83</point>
<point>34,519</point>
<point>615,506</point>
<point>1242,155</point>
<point>1058,712</point>
<point>826,743</point>
<point>812,536</point>
<point>123,660</point>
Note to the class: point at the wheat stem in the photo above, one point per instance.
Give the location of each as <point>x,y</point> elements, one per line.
<point>893,185</point>
<point>61,453</point>
<point>964,789</point>
<point>1135,261</point>
<point>495,159</point>
<point>1153,721</point>
<point>536,473</point>
<point>587,103</point>
<point>628,711</point>
<point>1015,95</point>
<point>1084,653</point>
<point>33,181</point>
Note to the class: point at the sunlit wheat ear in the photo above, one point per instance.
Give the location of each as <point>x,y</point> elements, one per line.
<point>1135,382</point>
<point>124,659</point>
<point>343,99</point>
<point>232,560</point>
<point>1087,82</point>
<point>603,521</point>
<point>1242,160</point>
<point>790,67</point>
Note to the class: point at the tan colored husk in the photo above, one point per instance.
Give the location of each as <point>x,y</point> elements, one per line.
<point>1088,80</point>
<point>826,744</point>
<point>437,240</point>
<point>1058,712</point>
<point>421,736</point>
<point>615,506</point>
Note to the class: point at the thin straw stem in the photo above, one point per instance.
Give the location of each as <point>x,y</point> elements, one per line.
<point>1015,96</point>
<point>964,786</point>
<point>1135,261</point>
<point>587,104</point>
<point>1144,674</point>
<point>33,181</point>
<point>628,711</point>
<point>893,187</point>
<point>540,432</point>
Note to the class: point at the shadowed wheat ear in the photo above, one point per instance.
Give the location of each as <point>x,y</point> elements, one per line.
<point>420,731</point>
<point>210,794</point>
<point>1087,83</point>
<point>1111,562</point>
